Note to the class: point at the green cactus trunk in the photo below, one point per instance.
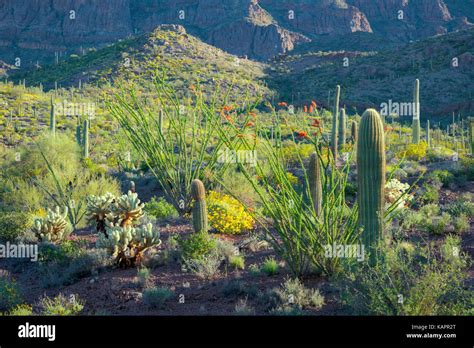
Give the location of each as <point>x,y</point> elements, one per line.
<point>354,132</point>
<point>52,119</point>
<point>342,130</point>
<point>416,113</point>
<point>78,135</point>
<point>428,136</point>
<point>471,134</point>
<point>198,193</point>
<point>85,139</point>
<point>371,180</point>
<point>315,185</point>
<point>454,131</point>
<point>335,117</point>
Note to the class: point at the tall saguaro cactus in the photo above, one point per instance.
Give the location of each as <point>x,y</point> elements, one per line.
<point>471,134</point>
<point>315,185</point>
<point>342,129</point>
<point>335,117</point>
<point>416,114</point>
<point>52,119</point>
<point>198,192</point>
<point>371,179</point>
<point>354,132</point>
<point>85,139</point>
<point>428,136</point>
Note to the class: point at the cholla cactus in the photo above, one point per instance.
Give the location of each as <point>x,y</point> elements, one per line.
<point>394,190</point>
<point>54,228</point>
<point>127,243</point>
<point>128,209</point>
<point>99,208</point>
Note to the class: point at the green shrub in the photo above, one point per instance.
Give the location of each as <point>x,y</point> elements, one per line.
<point>205,267</point>
<point>439,224</point>
<point>156,297</point>
<point>270,267</point>
<point>10,294</point>
<point>461,224</point>
<point>410,280</point>
<point>197,245</point>
<point>293,293</point>
<point>61,306</point>
<point>243,308</point>
<point>444,176</point>
<point>461,206</point>
<point>237,262</point>
<point>160,209</point>
<point>21,310</point>
<point>13,225</point>
<point>429,194</point>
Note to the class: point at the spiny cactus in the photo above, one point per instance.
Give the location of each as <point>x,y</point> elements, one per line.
<point>471,133</point>
<point>78,134</point>
<point>371,179</point>
<point>52,119</point>
<point>342,130</point>
<point>416,114</point>
<point>85,139</point>
<point>198,193</point>
<point>354,132</point>
<point>128,209</point>
<point>98,209</point>
<point>54,228</point>
<point>335,117</point>
<point>315,185</point>
<point>127,244</point>
<point>428,136</point>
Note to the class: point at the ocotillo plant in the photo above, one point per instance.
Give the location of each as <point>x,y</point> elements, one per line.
<point>160,121</point>
<point>371,180</point>
<point>342,129</point>
<point>428,137</point>
<point>78,133</point>
<point>354,132</point>
<point>335,117</point>
<point>85,139</point>
<point>198,193</point>
<point>315,185</point>
<point>416,113</point>
<point>52,119</point>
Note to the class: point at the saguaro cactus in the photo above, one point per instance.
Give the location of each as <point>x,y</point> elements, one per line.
<point>342,129</point>
<point>52,118</point>
<point>416,113</point>
<point>354,132</point>
<point>315,186</point>
<point>428,136</point>
<point>78,133</point>
<point>85,139</point>
<point>198,192</point>
<point>471,133</point>
<point>371,179</point>
<point>335,117</point>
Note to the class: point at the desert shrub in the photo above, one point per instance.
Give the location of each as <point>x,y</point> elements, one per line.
<point>429,194</point>
<point>461,206</point>
<point>61,253</point>
<point>156,297</point>
<point>467,167</point>
<point>410,280</point>
<point>143,276</point>
<point>439,154</point>
<point>227,215</point>
<point>292,152</point>
<point>238,288</point>
<point>13,225</point>
<point>241,188</point>
<point>205,267</point>
<point>461,224</point>
<point>270,267</point>
<point>293,293</point>
<point>10,294</point>
<point>61,305</point>
<point>21,310</point>
<point>444,176</point>
<point>237,262</point>
<point>197,245</point>
<point>160,209</point>
<point>438,224</point>
<point>243,308</point>
<point>414,152</point>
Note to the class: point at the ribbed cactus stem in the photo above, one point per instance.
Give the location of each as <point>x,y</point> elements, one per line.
<point>428,137</point>
<point>342,130</point>
<point>198,193</point>
<point>354,132</point>
<point>52,118</point>
<point>335,117</point>
<point>315,185</point>
<point>416,113</point>
<point>371,180</point>
<point>78,134</point>
<point>85,139</point>
<point>471,133</point>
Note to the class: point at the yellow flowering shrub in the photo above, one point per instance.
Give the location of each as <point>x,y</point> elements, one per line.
<point>227,215</point>
<point>415,152</point>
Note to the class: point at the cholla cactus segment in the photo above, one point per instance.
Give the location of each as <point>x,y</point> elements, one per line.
<point>53,228</point>
<point>128,208</point>
<point>126,244</point>
<point>394,190</point>
<point>99,208</point>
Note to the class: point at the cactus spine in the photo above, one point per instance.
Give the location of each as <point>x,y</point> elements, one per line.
<point>335,117</point>
<point>342,130</point>
<point>85,139</point>
<point>315,186</point>
<point>371,179</point>
<point>354,132</point>
<point>52,119</point>
<point>198,193</point>
<point>416,115</point>
<point>428,137</point>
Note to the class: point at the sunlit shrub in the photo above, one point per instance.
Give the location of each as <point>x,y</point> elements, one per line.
<point>227,215</point>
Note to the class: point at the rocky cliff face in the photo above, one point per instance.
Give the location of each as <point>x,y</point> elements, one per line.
<point>260,29</point>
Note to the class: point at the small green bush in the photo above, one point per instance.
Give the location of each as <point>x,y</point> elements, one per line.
<point>156,297</point>
<point>293,293</point>
<point>270,267</point>
<point>21,310</point>
<point>461,224</point>
<point>10,294</point>
<point>237,262</point>
<point>197,246</point>
<point>461,206</point>
<point>61,306</point>
<point>13,225</point>
<point>160,209</point>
